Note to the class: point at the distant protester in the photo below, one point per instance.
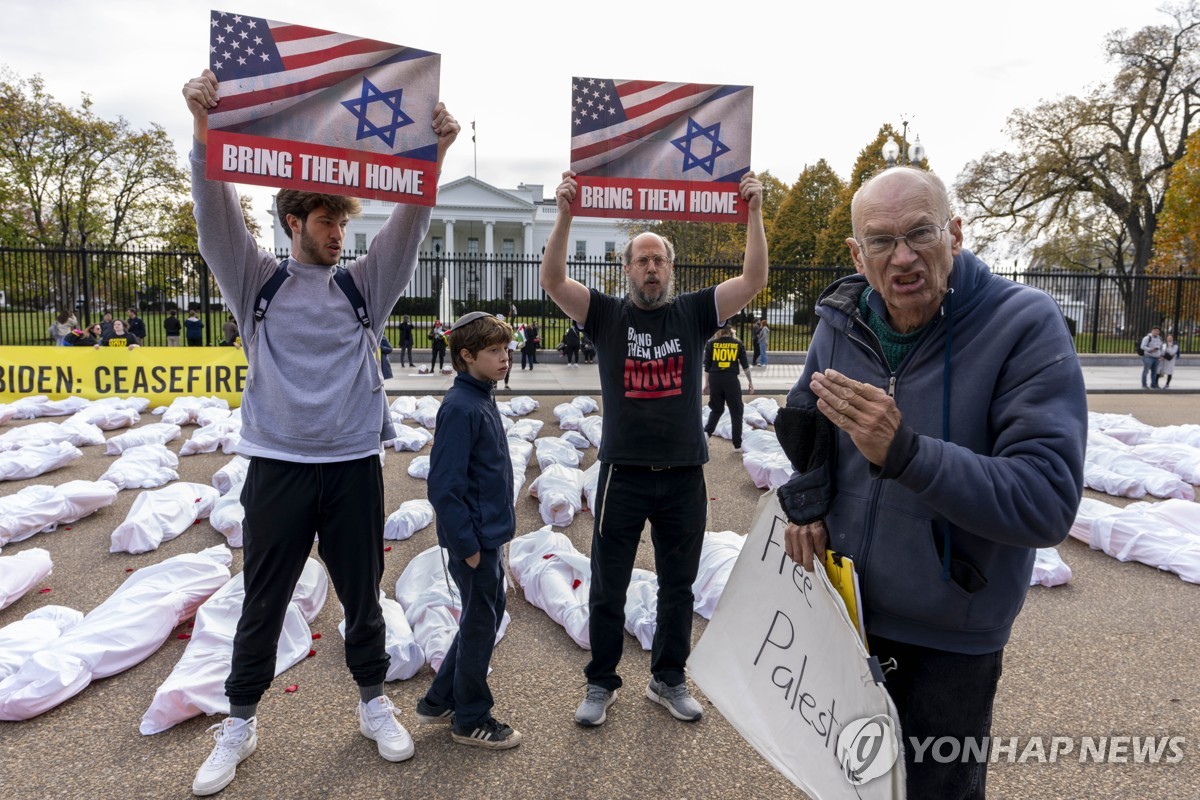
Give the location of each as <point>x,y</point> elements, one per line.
<point>118,337</point>
<point>173,328</point>
<point>195,329</point>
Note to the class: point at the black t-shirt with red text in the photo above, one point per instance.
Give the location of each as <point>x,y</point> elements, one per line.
<point>650,376</point>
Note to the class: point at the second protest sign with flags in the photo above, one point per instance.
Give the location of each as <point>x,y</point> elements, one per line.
<point>657,150</point>
<point>310,109</point>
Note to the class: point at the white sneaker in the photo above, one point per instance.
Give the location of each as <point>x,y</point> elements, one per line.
<point>377,721</point>
<point>236,740</point>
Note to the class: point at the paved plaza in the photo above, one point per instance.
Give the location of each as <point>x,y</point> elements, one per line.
<point>1112,653</point>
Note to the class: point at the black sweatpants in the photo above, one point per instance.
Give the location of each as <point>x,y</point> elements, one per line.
<point>286,504</point>
<point>724,388</point>
<point>675,502</point>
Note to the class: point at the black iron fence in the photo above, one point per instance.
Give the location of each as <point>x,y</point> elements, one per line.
<point>1107,314</point>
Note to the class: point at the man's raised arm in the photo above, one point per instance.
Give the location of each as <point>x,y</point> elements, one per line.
<point>567,293</point>
<point>201,95</point>
<point>734,294</point>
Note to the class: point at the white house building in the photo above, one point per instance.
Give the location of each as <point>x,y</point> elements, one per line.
<point>492,237</point>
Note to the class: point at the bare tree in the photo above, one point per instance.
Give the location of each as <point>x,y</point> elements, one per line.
<point>1110,149</point>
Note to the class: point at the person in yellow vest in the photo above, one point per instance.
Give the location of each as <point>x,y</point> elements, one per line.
<point>724,354</point>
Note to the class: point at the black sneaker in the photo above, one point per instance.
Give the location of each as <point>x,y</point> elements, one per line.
<point>432,714</point>
<point>489,734</point>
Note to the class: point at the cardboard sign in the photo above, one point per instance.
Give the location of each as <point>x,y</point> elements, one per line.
<point>310,109</point>
<point>782,662</point>
<point>657,150</point>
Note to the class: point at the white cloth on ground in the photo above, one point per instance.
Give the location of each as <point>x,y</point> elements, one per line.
<point>228,514</point>
<point>40,405</point>
<point>73,431</point>
<point>108,416</point>
<point>29,462</point>
<point>1165,535</point>
<point>21,572</point>
<point>145,467</point>
<point>577,440</point>
<point>404,405</point>
<point>526,429</point>
<point>555,577</point>
<point>523,404</point>
<point>230,475</point>
<point>122,631</point>
<point>432,604</point>
<point>186,410</point>
<point>519,452</point>
<point>412,516</point>
<point>559,491</point>
<point>160,515</point>
<point>405,657</point>
<point>35,631</point>
<point>425,413</point>
<point>1157,481</point>
<point>197,683</point>
<point>768,407</point>
<point>587,405</point>
<point>154,433</point>
<point>1049,569</point>
<point>764,460</point>
<point>553,450</point>
<point>36,509</point>
<point>568,416</point>
<point>419,468</point>
<point>592,428</point>
<point>591,482</point>
<point>224,432</point>
<point>410,439</point>
<point>717,557</point>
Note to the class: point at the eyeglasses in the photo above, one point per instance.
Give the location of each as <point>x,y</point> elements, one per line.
<point>641,262</point>
<point>920,238</point>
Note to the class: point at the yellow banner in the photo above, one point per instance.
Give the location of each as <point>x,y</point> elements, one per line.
<point>158,373</point>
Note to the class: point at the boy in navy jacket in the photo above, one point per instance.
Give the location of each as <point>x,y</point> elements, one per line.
<point>471,489</point>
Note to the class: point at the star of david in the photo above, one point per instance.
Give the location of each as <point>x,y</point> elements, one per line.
<point>391,100</point>
<point>696,132</point>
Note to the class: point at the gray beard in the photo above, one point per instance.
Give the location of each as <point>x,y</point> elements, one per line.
<point>643,301</point>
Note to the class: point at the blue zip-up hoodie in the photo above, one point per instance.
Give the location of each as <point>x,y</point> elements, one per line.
<point>470,472</point>
<point>990,462</point>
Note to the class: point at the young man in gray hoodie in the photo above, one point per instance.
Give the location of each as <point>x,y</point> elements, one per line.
<point>312,415</point>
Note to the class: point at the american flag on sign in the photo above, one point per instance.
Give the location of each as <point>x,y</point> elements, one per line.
<point>305,84</point>
<point>653,129</point>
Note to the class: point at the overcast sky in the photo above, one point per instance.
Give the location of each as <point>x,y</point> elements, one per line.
<point>824,78</point>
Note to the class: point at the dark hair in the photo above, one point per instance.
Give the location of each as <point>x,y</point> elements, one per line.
<point>475,336</point>
<point>301,204</point>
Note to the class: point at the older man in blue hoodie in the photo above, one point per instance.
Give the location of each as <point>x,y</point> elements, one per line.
<point>938,432</point>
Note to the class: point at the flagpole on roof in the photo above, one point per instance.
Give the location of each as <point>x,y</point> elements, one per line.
<point>474,150</point>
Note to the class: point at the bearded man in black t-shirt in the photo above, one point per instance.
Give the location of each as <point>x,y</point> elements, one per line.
<point>649,347</point>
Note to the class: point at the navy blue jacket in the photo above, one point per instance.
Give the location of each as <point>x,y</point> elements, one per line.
<point>470,473</point>
<point>988,464</point>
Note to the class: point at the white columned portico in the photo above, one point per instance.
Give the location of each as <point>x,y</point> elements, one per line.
<point>489,249</point>
<point>451,282</point>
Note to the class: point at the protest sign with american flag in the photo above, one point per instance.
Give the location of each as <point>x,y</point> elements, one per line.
<point>310,109</point>
<point>657,150</point>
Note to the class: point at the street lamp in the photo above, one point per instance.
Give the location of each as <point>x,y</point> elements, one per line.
<point>911,154</point>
